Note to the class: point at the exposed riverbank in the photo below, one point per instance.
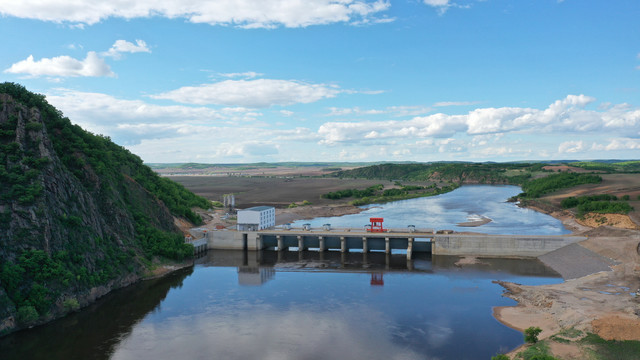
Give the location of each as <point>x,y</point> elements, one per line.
<point>603,302</point>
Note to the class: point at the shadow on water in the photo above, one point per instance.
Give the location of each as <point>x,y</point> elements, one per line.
<point>250,305</point>
<point>94,332</point>
<point>372,261</point>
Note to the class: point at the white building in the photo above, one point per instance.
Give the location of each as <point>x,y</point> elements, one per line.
<point>256,218</point>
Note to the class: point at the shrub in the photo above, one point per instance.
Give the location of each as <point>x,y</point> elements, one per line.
<point>625,197</point>
<point>531,334</point>
<point>27,315</point>
<point>33,126</point>
<point>70,304</point>
<point>500,357</point>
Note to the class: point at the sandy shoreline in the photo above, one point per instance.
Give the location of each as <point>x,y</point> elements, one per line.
<point>601,303</point>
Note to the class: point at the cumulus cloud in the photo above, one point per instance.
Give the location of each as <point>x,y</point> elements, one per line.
<point>246,75</point>
<point>259,93</point>
<point>568,115</point>
<point>443,5</point>
<point>123,46</point>
<point>440,5</point>
<point>455,103</point>
<point>619,144</point>
<point>438,125</point>
<point>242,13</point>
<point>62,66</point>
<point>393,110</point>
<point>87,107</point>
<point>571,147</point>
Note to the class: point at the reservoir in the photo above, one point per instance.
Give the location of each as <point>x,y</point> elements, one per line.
<point>309,305</point>
<point>446,211</point>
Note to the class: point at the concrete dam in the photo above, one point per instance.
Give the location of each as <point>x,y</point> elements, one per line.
<point>343,240</point>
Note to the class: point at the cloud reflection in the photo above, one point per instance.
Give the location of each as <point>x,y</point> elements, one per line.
<point>264,332</point>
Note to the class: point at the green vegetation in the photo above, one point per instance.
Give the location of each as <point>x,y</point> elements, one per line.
<point>609,167</point>
<point>610,349</point>
<point>500,357</point>
<point>102,214</point>
<point>355,193</point>
<point>432,191</point>
<point>531,334</point>
<point>484,173</point>
<point>538,351</point>
<point>376,194</point>
<point>71,305</point>
<point>537,187</point>
<point>603,204</point>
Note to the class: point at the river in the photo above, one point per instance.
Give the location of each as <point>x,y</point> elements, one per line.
<point>307,305</point>
<point>444,212</point>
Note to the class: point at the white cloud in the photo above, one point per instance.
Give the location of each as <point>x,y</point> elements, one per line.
<point>455,103</point>
<point>438,125</point>
<point>246,75</point>
<point>440,5</point>
<point>568,115</point>
<point>443,5</point>
<point>393,110</point>
<point>619,144</point>
<point>175,133</point>
<point>243,13</point>
<point>123,46</point>
<point>257,93</point>
<point>571,147</point>
<point>96,107</point>
<point>62,66</point>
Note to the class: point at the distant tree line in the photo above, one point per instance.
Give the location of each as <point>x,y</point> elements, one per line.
<point>603,204</point>
<point>535,188</point>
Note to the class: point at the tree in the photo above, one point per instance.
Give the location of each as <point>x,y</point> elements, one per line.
<point>531,334</point>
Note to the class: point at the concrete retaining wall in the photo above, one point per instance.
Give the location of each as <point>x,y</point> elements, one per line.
<point>233,240</point>
<point>500,245</point>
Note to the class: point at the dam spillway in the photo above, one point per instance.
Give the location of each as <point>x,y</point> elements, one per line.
<point>344,240</point>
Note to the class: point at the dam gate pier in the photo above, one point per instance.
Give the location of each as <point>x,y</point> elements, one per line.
<point>344,240</point>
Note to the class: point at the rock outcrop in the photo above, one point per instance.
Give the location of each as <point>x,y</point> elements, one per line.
<point>79,215</point>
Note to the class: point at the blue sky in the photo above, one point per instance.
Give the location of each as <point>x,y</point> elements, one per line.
<point>231,81</point>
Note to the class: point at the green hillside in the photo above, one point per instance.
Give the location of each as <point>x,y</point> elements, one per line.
<point>79,215</point>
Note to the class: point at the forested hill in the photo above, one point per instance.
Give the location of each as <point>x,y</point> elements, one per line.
<point>79,215</point>
<point>486,173</point>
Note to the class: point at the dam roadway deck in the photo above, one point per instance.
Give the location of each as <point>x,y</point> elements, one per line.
<point>419,241</point>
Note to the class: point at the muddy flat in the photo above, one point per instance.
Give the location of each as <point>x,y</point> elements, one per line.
<point>272,191</point>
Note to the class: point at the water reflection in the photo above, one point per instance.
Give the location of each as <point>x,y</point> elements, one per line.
<point>263,331</point>
<point>95,331</point>
<point>447,210</point>
<point>298,305</point>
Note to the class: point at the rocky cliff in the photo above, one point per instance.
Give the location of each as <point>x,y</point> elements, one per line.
<point>79,215</point>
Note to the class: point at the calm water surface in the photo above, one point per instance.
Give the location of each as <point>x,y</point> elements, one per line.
<point>447,210</point>
<point>310,305</point>
<point>233,305</point>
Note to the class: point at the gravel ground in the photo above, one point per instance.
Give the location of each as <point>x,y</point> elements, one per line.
<point>574,261</point>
